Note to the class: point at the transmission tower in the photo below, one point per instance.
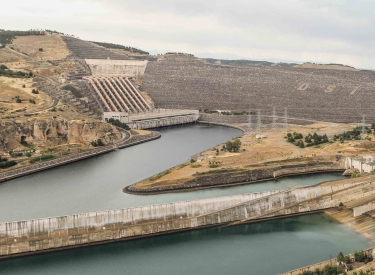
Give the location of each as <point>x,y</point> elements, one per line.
<point>363,126</point>
<point>286,119</point>
<point>250,126</point>
<point>259,125</point>
<point>274,119</point>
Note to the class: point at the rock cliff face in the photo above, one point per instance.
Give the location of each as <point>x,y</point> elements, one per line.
<point>56,131</point>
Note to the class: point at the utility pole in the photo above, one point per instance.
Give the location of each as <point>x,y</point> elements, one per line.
<point>363,126</point>
<point>250,126</point>
<point>259,125</point>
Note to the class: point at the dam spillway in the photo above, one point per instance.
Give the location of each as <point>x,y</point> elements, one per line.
<point>43,235</point>
<point>118,94</point>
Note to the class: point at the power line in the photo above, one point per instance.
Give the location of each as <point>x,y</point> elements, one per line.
<point>363,126</point>
<point>250,126</point>
<point>259,124</point>
<point>274,119</point>
<point>286,119</point>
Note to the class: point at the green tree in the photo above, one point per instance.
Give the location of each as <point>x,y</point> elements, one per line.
<point>229,146</point>
<point>340,257</point>
<point>236,144</point>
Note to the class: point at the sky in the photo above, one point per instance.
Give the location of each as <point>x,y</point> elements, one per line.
<point>331,31</point>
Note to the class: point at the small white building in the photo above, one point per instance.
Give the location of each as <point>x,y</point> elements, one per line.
<point>122,116</point>
<point>364,165</point>
<point>260,136</point>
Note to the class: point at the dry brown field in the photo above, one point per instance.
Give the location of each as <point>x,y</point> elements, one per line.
<point>271,151</point>
<point>10,88</point>
<point>53,46</point>
<point>325,67</point>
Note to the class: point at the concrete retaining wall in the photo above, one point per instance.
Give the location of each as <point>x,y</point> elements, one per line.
<point>361,165</point>
<point>359,210</point>
<point>59,232</point>
<point>289,202</point>
<point>48,234</point>
<point>229,119</point>
<point>324,167</point>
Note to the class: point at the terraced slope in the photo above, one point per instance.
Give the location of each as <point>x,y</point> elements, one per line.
<point>87,50</point>
<point>326,95</point>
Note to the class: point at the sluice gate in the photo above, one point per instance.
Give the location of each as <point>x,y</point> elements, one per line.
<point>43,235</point>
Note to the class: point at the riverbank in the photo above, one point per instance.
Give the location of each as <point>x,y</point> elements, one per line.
<point>330,262</point>
<point>364,224</point>
<point>257,159</point>
<point>136,138</point>
<point>222,178</point>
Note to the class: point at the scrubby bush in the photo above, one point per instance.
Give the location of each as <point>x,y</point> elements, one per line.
<point>97,143</point>
<point>233,146</point>
<point>118,123</point>
<point>7,164</point>
<point>41,158</point>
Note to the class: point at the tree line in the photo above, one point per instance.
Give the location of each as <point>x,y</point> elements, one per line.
<point>6,36</point>
<point>121,47</point>
<point>4,71</point>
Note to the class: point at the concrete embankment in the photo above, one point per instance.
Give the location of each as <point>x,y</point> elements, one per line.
<point>222,124</point>
<point>133,140</point>
<point>231,119</point>
<point>44,235</point>
<point>218,178</point>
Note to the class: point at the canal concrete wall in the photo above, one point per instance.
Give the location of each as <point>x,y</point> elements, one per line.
<point>43,235</point>
<point>59,232</point>
<point>308,168</point>
<point>360,164</point>
<point>133,140</point>
<point>239,119</point>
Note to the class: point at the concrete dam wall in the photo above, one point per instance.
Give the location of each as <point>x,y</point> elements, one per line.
<point>116,67</point>
<point>43,235</point>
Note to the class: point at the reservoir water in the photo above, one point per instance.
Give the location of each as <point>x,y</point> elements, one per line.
<point>96,184</point>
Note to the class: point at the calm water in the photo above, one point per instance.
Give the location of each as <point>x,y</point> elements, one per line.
<point>96,184</point>
<point>265,248</point>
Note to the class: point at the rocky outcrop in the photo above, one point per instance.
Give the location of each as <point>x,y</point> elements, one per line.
<point>2,142</point>
<point>57,131</point>
<point>349,172</point>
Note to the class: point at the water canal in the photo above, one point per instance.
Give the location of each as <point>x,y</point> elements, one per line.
<point>96,184</point>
